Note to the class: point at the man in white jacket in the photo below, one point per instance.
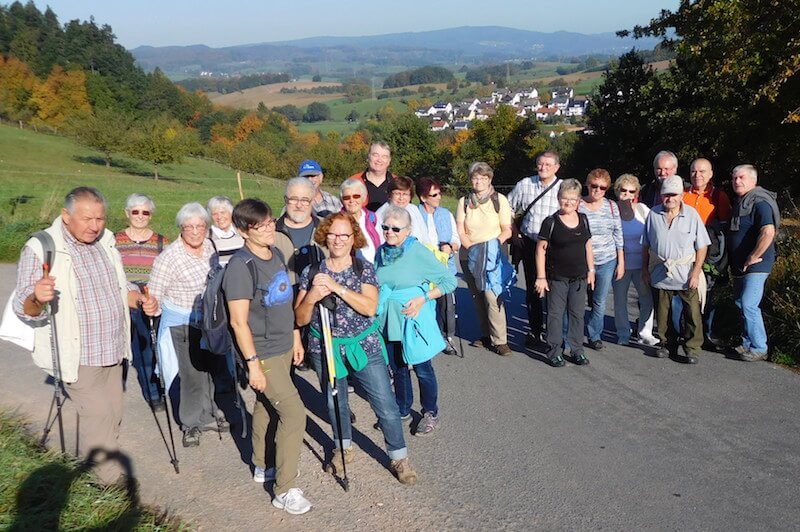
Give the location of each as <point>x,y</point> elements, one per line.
<point>84,289</point>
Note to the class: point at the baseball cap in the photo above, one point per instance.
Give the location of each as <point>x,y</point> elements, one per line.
<point>672,185</point>
<point>308,168</point>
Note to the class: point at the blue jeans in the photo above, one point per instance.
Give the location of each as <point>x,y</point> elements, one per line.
<point>748,291</point>
<point>426,378</point>
<point>142,349</point>
<point>645,294</point>
<point>374,380</point>
<point>603,275</point>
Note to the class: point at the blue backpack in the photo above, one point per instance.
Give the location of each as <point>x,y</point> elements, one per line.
<point>215,326</point>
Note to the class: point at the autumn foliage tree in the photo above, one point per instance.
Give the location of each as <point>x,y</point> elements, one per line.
<point>17,84</point>
<point>61,95</point>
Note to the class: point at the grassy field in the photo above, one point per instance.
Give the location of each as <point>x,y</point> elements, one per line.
<point>42,490</point>
<point>37,170</point>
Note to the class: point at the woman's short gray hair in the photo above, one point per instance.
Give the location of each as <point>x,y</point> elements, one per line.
<point>481,168</point>
<point>569,185</point>
<point>220,202</point>
<point>136,199</point>
<point>189,211</point>
<point>393,212</point>
<point>352,182</point>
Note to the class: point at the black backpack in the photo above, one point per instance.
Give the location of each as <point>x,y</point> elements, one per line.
<point>215,326</point>
<point>716,263</point>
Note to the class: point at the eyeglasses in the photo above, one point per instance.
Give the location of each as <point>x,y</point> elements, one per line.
<point>598,187</point>
<point>195,228</point>
<point>392,228</point>
<point>380,156</point>
<point>434,194</point>
<point>480,178</point>
<point>351,196</point>
<point>401,193</point>
<point>265,225</point>
<point>299,201</point>
<point>568,200</point>
<point>340,237</point>
<point>546,165</point>
<point>137,212</point>
<point>628,190</point>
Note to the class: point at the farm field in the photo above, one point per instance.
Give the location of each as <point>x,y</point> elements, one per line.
<point>272,96</point>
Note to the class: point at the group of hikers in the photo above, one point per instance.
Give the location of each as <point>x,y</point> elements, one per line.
<point>360,289</point>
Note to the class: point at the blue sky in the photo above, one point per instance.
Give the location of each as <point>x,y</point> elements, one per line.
<point>231,22</point>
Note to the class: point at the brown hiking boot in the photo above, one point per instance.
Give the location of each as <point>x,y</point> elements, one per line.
<point>335,465</point>
<point>403,471</point>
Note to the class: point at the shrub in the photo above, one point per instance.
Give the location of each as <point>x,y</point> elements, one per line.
<point>781,306</point>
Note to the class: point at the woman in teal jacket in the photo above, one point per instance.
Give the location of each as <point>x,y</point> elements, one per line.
<point>411,280</point>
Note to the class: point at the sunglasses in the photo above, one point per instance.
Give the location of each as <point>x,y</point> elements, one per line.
<point>628,190</point>
<point>434,195</point>
<point>351,196</point>
<point>392,228</point>
<point>137,212</point>
<point>596,187</point>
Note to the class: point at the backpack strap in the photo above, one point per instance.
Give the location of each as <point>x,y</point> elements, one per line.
<point>611,206</point>
<point>160,242</point>
<point>496,202</point>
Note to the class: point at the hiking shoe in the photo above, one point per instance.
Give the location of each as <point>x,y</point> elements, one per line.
<point>752,356</point>
<point>502,349</point>
<point>448,348</point>
<point>483,341</point>
<point>335,465</point>
<point>262,475</point>
<point>405,417</point>
<point>191,437</point>
<point>158,405</point>
<point>352,418</point>
<point>302,366</point>
<point>219,425</point>
<point>556,362</point>
<point>292,501</point>
<point>649,340</point>
<point>427,424</point>
<point>403,471</point>
<point>531,339</point>
<point>662,351</point>
<point>580,360</point>
<point>597,345</point>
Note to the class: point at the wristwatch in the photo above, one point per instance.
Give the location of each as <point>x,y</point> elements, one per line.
<point>251,358</point>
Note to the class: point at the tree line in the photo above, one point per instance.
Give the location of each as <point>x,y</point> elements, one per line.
<point>225,85</point>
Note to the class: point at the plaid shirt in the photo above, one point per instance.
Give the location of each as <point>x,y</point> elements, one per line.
<point>180,277</point>
<point>100,311</point>
<point>329,204</point>
<point>527,190</point>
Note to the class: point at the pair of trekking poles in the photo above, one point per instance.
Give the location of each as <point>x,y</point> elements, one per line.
<point>58,395</point>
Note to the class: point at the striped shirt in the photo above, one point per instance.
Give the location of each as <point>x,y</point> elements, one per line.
<point>138,256</point>
<point>226,243</point>
<point>606,227</point>
<point>100,311</point>
<point>329,204</point>
<point>180,277</point>
<point>527,190</point>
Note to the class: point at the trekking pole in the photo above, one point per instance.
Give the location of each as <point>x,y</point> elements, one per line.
<point>173,456</point>
<point>327,335</point>
<point>58,394</point>
<point>458,333</point>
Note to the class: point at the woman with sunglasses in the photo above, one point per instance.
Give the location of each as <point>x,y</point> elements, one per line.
<point>633,215</point>
<point>607,247</point>
<point>353,193</point>
<point>406,270</point>
<point>441,228</point>
<point>139,246</point>
<point>359,350</point>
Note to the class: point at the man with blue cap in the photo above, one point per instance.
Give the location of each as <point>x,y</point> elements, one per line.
<point>324,203</point>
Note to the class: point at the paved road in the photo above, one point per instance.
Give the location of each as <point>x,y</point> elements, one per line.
<point>629,442</point>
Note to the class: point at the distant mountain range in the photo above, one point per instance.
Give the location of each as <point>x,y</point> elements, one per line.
<point>376,54</point>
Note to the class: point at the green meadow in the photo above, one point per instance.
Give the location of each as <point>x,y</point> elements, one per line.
<point>37,170</point>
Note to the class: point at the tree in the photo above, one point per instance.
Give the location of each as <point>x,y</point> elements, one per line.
<point>415,148</point>
<point>352,116</point>
<point>17,84</point>
<point>734,89</point>
<point>160,141</point>
<point>61,95</point>
<point>104,130</point>
<point>292,112</point>
<point>316,78</point>
<point>317,112</point>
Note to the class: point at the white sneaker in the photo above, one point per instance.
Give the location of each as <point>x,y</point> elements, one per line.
<point>263,475</point>
<point>648,340</point>
<point>292,501</point>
